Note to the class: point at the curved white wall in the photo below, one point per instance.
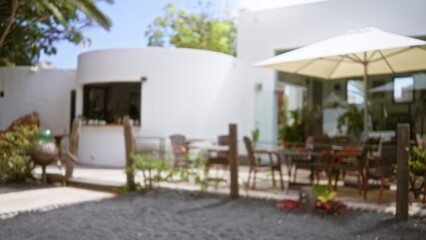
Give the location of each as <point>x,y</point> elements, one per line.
<point>193,92</point>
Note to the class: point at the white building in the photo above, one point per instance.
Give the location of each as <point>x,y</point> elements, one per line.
<point>192,92</point>
<point>264,34</point>
<point>195,92</point>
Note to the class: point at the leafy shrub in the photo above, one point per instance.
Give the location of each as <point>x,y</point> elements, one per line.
<point>417,160</point>
<point>197,172</point>
<point>15,147</point>
<point>151,168</point>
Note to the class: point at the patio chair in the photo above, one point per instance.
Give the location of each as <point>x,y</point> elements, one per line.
<point>316,162</point>
<point>180,151</point>
<point>263,160</point>
<point>350,160</point>
<point>301,161</point>
<point>219,157</point>
<point>381,168</point>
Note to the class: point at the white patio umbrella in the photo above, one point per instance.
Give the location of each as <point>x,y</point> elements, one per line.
<point>362,52</point>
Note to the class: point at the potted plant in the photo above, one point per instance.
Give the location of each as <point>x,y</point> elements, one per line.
<point>255,135</point>
<point>317,197</point>
<point>291,134</point>
<point>353,120</point>
<point>325,200</point>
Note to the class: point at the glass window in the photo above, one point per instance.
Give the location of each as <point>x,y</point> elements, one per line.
<point>403,89</point>
<point>110,102</point>
<point>355,91</point>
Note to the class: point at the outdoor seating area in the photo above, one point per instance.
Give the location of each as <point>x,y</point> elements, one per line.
<point>354,170</point>
<point>274,173</point>
<point>358,168</point>
<point>227,120</point>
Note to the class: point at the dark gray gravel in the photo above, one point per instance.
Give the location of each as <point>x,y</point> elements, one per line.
<point>166,214</point>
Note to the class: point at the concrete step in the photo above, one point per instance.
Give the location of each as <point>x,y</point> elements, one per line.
<point>95,184</point>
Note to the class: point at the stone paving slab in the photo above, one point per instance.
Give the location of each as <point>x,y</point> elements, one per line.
<point>14,203</point>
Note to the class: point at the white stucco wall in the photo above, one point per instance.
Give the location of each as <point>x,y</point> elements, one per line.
<point>261,33</point>
<point>46,91</point>
<point>193,92</point>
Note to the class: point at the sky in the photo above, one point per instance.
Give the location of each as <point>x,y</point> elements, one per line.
<point>130,19</point>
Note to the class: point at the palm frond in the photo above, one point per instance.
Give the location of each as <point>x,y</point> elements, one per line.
<point>92,11</point>
<point>57,14</point>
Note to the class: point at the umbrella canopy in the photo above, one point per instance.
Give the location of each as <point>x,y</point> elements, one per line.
<point>361,52</point>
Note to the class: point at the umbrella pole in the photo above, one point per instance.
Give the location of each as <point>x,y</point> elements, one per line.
<point>365,102</point>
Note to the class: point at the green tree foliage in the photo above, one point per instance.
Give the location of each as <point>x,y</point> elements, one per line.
<point>179,28</point>
<point>32,27</point>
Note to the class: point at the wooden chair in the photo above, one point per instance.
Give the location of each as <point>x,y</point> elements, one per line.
<point>381,168</point>
<point>180,151</point>
<point>317,162</point>
<point>219,157</point>
<point>258,163</point>
<point>303,160</point>
<point>341,140</point>
<point>350,160</point>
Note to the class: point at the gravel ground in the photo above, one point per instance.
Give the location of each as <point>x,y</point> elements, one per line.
<point>166,214</point>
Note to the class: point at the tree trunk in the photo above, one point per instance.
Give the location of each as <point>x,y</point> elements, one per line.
<point>14,8</point>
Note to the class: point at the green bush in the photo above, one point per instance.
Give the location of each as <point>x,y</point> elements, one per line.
<point>15,147</point>
<point>416,162</point>
<point>153,170</point>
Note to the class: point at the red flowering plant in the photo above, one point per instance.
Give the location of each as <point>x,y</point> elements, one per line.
<point>325,200</point>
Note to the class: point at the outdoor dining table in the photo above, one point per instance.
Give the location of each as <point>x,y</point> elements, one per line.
<point>207,148</point>
<point>288,154</point>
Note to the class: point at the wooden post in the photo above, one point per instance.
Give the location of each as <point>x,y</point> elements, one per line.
<point>233,159</point>
<point>128,139</point>
<point>403,140</point>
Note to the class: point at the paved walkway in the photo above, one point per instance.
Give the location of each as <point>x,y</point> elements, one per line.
<point>13,203</point>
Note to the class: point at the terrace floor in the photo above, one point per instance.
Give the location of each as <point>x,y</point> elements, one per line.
<point>15,199</point>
